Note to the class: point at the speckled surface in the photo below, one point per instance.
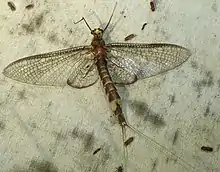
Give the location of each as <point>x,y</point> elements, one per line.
<point>58,129</point>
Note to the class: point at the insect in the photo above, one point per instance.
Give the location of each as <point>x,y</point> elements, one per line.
<point>206,149</point>
<point>113,63</point>
<point>12,6</point>
<point>128,141</point>
<point>129,37</point>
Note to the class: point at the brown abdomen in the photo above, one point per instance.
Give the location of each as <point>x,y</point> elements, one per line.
<point>108,85</point>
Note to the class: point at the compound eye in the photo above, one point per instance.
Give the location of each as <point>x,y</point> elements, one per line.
<point>100,30</point>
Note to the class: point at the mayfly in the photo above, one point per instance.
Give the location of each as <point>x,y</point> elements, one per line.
<point>113,63</point>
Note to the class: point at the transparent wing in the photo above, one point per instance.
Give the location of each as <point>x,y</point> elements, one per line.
<point>57,68</point>
<point>119,74</point>
<point>145,60</point>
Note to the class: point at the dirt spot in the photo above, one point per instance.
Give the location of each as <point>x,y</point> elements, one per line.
<point>207,110</point>
<point>207,81</point>
<point>21,94</point>
<point>59,135</point>
<point>194,64</point>
<point>2,125</point>
<point>52,37</point>
<point>89,141</point>
<point>76,133</point>
<point>154,165</point>
<point>172,99</point>
<point>176,136</point>
<point>42,166</point>
<point>119,169</point>
<point>17,168</point>
<point>218,82</point>
<point>34,24</point>
<point>35,166</point>
<point>214,7</point>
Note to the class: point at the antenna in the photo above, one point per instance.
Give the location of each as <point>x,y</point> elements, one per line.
<point>110,17</point>
<point>83,19</point>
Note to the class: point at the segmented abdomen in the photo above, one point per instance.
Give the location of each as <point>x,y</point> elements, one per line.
<point>108,85</point>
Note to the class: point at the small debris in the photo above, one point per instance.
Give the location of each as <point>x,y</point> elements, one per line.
<point>129,37</point>
<point>119,169</point>
<point>12,6</point>
<point>152,5</point>
<point>30,6</point>
<point>154,165</point>
<point>128,141</point>
<point>172,99</point>
<point>96,151</point>
<point>206,149</point>
<point>176,135</point>
<point>143,26</point>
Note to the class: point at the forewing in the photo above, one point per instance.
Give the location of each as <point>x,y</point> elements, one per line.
<point>53,68</point>
<point>146,60</point>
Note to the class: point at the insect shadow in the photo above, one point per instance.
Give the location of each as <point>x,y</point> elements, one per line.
<point>143,111</point>
<point>36,166</point>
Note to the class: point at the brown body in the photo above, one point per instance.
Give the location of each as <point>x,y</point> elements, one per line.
<point>100,53</point>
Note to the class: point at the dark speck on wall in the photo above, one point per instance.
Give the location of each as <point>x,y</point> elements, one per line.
<point>35,166</point>
<point>172,99</point>
<point>176,136</point>
<point>207,81</point>
<point>21,94</point>
<point>30,6</point>
<point>207,110</point>
<point>34,24</point>
<point>154,166</point>
<point>42,166</point>
<point>194,64</point>
<point>11,5</point>
<point>89,141</point>
<point>2,125</point>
